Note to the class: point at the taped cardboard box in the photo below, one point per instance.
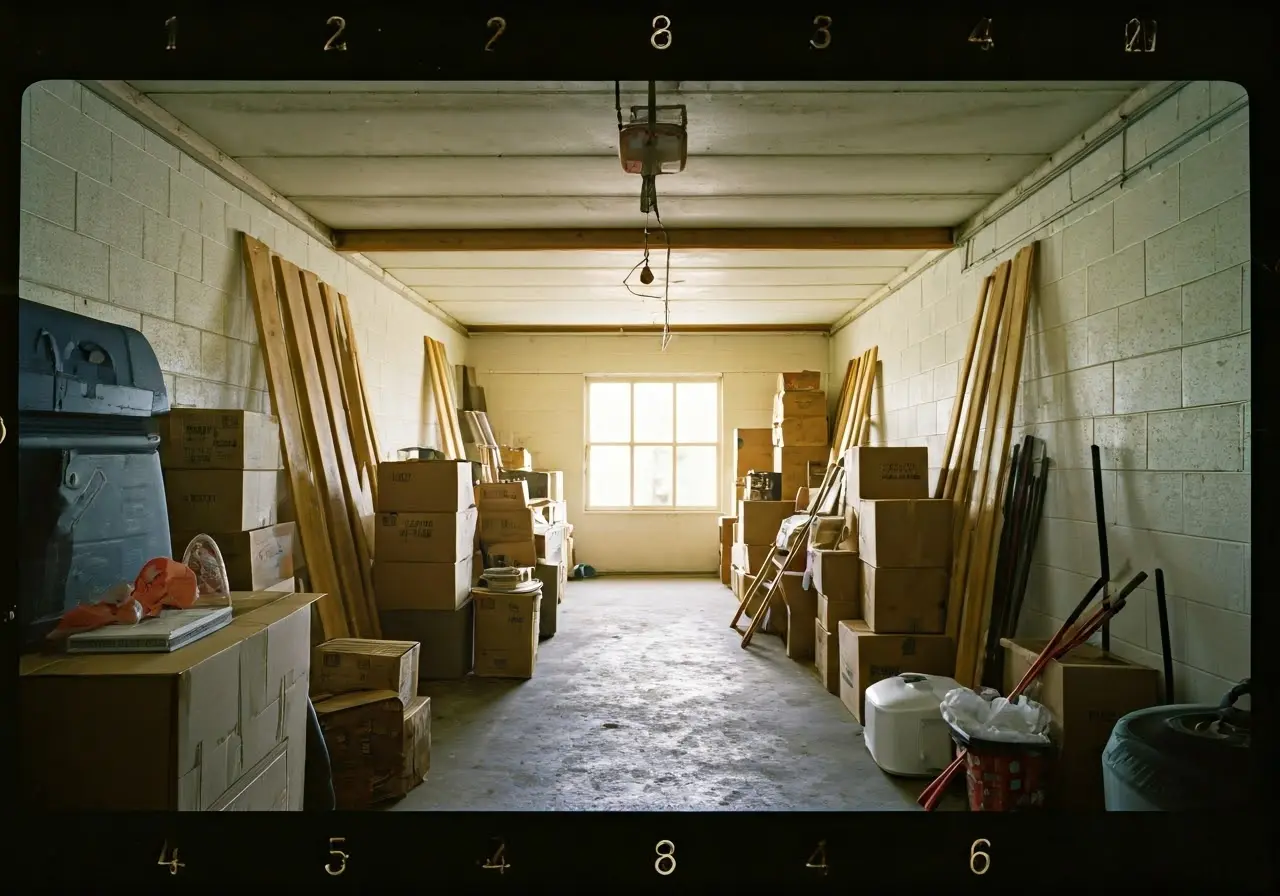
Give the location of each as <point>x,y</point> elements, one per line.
<point>213,439</point>
<point>794,465</point>
<point>758,521</point>
<point>226,500</point>
<point>836,573</point>
<point>425,486</point>
<point>425,537</point>
<point>255,559</point>
<point>506,633</point>
<point>423,586</point>
<point>874,473</point>
<point>905,601</point>
<point>800,381</point>
<point>203,716</point>
<point>752,450</point>
<point>344,665</point>
<point>867,657</point>
<point>379,748</point>
<point>902,532</point>
<point>826,657</point>
<point>832,612</point>
<point>793,405</point>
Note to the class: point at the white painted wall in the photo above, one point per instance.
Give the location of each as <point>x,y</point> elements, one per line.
<point>1139,342</point>
<point>117,224</point>
<point>535,391</point>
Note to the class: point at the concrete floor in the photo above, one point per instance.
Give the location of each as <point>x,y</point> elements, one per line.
<point>645,700</point>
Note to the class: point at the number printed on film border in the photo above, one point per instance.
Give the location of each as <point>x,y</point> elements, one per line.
<point>979,859</point>
<point>665,864</point>
<point>334,42</point>
<point>661,38</point>
<point>822,37</point>
<point>337,863</point>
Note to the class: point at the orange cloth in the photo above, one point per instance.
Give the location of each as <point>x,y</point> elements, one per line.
<point>162,583</point>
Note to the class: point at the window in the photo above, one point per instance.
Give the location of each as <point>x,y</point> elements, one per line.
<point>653,445</point>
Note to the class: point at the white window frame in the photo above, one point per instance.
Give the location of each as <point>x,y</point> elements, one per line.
<point>674,444</point>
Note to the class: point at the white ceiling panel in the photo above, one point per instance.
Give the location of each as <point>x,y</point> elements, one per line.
<point>543,155</point>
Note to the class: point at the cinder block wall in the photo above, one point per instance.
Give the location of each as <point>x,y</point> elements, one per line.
<point>119,225</point>
<point>535,388</point>
<point>1139,342</point>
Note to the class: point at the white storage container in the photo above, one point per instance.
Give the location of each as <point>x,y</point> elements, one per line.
<point>905,731</point>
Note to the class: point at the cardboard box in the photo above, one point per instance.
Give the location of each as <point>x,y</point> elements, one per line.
<point>550,544</point>
<point>379,750</point>
<point>344,665</point>
<point>1086,693</point>
<point>753,450</point>
<point>553,577</point>
<point>800,432</point>
<point>800,381</point>
<point>284,586</point>
<point>735,583</point>
<point>211,439</point>
<point>867,657</point>
<point>902,532</point>
<point>425,537</point>
<point>255,559</point>
<point>836,573</point>
<point>224,500</point>
<point>552,512</point>
<point>725,529</point>
<point>425,486</point>
<point>512,553</point>
<point>832,612</point>
<point>515,458</point>
<point>791,405</point>
<point>802,609</point>
<point>204,717</point>
<point>905,600</point>
<point>446,637</point>
<point>506,633</point>
<point>542,483</point>
<point>758,521</point>
<point>826,657</point>
<point>502,496</point>
<point>827,532</point>
<point>500,526</point>
<point>876,473</point>
<point>793,464</point>
<point>422,586</point>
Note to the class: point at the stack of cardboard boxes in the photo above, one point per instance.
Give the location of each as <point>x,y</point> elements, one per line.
<point>835,579</point>
<point>223,477</point>
<point>799,436</point>
<point>904,544</point>
<point>377,730</point>
<point>425,564</point>
<point>754,542</point>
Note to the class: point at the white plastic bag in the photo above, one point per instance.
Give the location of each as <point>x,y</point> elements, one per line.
<point>995,718</point>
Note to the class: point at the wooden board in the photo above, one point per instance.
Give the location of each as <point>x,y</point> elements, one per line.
<point>311,520</point>
<point>357,370</point>
<point>320,441</point>
<point>352,400</point>
<point>359,501</point>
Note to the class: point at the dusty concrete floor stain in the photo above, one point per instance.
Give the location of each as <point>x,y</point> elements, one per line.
<point>644,700</point>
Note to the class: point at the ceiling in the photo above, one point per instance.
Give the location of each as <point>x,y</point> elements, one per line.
<point>471,156</point>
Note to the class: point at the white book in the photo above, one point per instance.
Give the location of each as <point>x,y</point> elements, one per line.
<point>171,630</point>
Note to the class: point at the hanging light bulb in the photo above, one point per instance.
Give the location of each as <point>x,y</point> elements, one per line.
<point>646,275</point>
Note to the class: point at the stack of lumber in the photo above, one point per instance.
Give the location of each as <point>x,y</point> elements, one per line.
<point>444,401</point>
<point>976,455</point>
<point>481,444</point>
<point>330,450</point>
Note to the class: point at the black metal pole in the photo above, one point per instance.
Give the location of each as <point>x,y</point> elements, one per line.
<point>1162,607</point>
<point>1103,556</point>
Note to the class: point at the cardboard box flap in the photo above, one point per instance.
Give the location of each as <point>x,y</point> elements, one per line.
<point>365,647</point>
<point>353,699</point>
<point>1084,657</point>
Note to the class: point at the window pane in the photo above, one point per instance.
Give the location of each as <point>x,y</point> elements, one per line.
<point>696,476</point>
<point>609,475</point>
<point>696,417</point>
<point>609,412</point>
<point>652,476</point>
<point>653,412</point>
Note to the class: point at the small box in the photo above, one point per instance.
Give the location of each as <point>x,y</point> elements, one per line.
<point>507,628</point>
<point>790,405</point>
<point>378,750</point>
<point>832,612</point>
<point>422,586</point>
<point>212,439</point>
<point>758,521</point>
<point>502,496</point>
<point>835,573</point>
<point>256,559</point>
<point>425,486</point>
<point>902,532</point>
<point>800,432</point>
<point>553,577</point>
<point>826,657</point>
<point>344,665</point>
<point>753,450</point>
<point>515,458</point>
<point>542,483</point>
<point>873,473</point>
<point>907,600</point>
<point>802,609</point>
<point>800,381</point>
<point>224,500</point>
<point>446,637</point>
<point>425,537</point>
<point>867,657</point>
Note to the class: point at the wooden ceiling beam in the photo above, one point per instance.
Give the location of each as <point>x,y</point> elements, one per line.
<point>646,329</point>
<point>604,239</point>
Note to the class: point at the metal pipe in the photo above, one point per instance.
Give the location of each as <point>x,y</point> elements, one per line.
<point>89,442</point>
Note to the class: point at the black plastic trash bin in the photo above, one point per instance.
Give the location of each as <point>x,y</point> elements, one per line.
<point>90,491</point>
